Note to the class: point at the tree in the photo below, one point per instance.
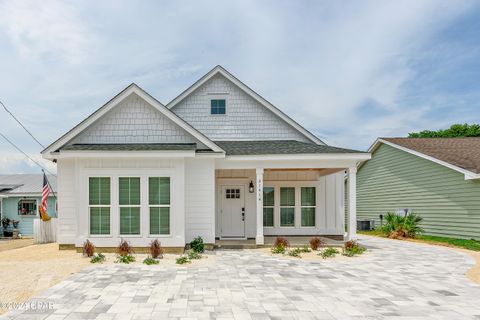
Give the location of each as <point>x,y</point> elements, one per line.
<point>456,130</point>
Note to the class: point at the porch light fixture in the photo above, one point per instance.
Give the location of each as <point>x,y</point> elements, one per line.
<point>250,187</point>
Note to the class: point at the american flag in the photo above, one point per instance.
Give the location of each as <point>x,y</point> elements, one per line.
<point>43,207</point>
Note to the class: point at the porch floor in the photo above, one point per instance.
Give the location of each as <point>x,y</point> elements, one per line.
<point>296,241</point>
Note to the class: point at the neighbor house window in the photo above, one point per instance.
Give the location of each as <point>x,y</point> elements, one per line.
<point>217,106</point>
<point>287,207</point>
<point>27,207</point>
<point>159,205</point>
<point>99,205</point>
<point>308,204</point>
<point>129,201</point>
<point>268,205</point>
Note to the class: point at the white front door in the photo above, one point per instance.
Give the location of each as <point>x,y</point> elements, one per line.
<point>233,212</point>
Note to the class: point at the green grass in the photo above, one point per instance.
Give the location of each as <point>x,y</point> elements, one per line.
<point>460,243</point>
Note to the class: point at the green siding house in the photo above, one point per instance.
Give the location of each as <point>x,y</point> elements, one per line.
<point>20,198</point>
<point>437,178</point>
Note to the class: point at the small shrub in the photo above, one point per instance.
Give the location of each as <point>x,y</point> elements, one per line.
<point>316,243</point>
<point>128,258</point>
<point>197,245</point>
<point>328,253</point>
<point>192,255</point>
<point>97,258</point>
<point>156,249</point>
<point>351,248</point>
<point>149,260</point>
<point>88,249</point>
<point>295,252</point>
<point>397,226</point>
<point>279,249</point>
<point>182,260</point>
<point>124,248</point>
<point>281,241</point>
<point>305,249</point>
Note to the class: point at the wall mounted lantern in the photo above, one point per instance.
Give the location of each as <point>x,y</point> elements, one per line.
<point>251,189</point>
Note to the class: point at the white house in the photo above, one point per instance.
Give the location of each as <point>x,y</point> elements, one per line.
<point>219,161</point>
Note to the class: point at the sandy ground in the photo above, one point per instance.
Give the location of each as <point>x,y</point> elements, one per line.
<point>8,244</point>
<point>30,270</point>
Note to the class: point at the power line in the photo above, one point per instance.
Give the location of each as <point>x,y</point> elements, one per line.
<point>31,135</point>
<point>26,155</point>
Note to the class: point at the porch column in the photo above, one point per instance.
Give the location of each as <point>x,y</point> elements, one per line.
<point>352,204</point>
<point>259,200</point>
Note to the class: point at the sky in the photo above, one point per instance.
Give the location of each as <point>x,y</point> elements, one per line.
<point>349,71</point>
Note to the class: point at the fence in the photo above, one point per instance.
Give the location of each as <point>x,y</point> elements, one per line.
<point>44,231</point>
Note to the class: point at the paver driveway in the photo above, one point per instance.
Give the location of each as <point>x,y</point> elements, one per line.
<point>395,280</point>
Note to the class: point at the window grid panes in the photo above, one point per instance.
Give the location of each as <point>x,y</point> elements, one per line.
<point>217,106</point>
<point>308,205</point>
<point>129,202</point>
<point>159,205</point>
<point>268,206</point>
<point>287,207</point>
<point>99,205</point>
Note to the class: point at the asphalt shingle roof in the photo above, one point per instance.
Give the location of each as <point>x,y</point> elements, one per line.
<point>461,152</point>
<point>268,147</point>
<point>132,147</point>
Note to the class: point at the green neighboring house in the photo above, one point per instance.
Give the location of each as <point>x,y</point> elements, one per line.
<point>20,198</point>
<point>437,178</point>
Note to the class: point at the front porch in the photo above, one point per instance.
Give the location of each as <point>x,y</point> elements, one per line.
<point>295,241</point>
<point>254,206</point>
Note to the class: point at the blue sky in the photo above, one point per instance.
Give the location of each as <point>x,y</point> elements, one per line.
<point>349,71</point>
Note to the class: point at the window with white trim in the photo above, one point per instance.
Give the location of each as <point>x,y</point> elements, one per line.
<point>268,206</point>
<point>99,205</point>
<point>287,206</point>
<point>159,205</point>
<point>27,207</point>
<point>308,205</point>
<point>129,203</point>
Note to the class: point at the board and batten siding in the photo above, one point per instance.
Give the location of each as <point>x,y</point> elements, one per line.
<point>394,179</point>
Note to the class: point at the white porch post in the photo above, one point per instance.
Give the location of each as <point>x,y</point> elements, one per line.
<point>259,200</point>
<point>352,204</point>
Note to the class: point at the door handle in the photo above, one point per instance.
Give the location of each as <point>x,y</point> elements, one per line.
<point>243,214</point>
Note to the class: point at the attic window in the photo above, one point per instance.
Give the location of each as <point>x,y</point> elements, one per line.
<point>217,106</point>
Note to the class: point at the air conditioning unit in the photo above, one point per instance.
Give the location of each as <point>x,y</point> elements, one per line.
<point>365,224</point>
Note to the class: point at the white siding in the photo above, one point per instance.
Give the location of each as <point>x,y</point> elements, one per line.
<point>73,199</point>
<point>134,121</point>
<point>200,199</point>
<point>67,202</point>
<point>245,118</point>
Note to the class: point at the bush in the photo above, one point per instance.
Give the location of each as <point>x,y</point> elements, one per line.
<point>124,248</point>
<point>304,249</point>
<point>97,258</point>
<point>328,253</point>
<point>316,243</point>
<point>351,248</point>
<point>182,260</point>
<point>192,255</point>
<point>397,226</point>
<point>280,249</point>
<point>128,258</point>
<point>156,249</point>
<point>295,252</point>
<point>88,249</point>
<point>149,260</point>
<point>281,241</point>
<point>197,245</point>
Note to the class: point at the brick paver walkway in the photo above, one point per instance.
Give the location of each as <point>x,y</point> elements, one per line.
<point>395,280</point>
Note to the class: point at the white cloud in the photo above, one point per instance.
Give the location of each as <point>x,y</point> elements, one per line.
<point>48,29</point>
<point>18,163</point>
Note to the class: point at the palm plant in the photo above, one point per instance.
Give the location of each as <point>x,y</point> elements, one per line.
<point>397,226</point>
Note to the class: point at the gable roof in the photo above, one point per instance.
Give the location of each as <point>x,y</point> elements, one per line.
<point>220,70</point>
<point>132,88</point>
<point>269,147</point>
<point>22,184</point>
<point>459,154</point>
